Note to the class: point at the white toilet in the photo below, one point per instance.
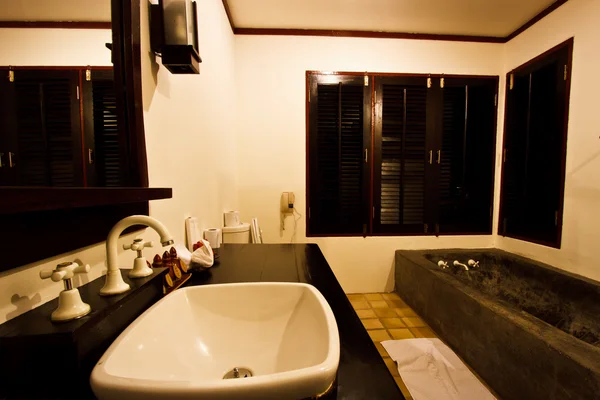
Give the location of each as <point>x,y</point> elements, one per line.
<point>237,234</point>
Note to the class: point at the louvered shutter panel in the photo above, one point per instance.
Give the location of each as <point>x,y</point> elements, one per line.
<point>47,124</point>
<point>533,175</point>
<point>337,177</point>
<point>8,133</point>
<point>514,156</point>
<point>400,159</point>
<point>466,160</point>
<point>102,133</point>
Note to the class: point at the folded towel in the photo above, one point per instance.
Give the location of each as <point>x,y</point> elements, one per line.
<point>431,371</point>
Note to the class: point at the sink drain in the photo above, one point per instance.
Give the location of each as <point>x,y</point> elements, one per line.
<point>238,372</point>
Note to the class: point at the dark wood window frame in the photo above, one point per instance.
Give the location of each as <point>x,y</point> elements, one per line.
<point>529,67</point>
<point>38,223</point>
<point>372,143</point>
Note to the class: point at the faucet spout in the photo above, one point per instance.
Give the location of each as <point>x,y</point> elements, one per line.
<point>456,263</point>
<point>114,281</point>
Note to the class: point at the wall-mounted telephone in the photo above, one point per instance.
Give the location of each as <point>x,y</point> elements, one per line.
<point>287,202</point>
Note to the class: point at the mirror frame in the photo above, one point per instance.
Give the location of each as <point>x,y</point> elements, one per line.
<point>42,222</point>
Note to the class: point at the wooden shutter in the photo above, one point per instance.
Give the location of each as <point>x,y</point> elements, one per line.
<point>103,142</point>
<point>400,162</point>
<point>47,125</point>
<point>465,156</point>
<point>338,174</point>
<point>535,149</point>
<point>8,133</point>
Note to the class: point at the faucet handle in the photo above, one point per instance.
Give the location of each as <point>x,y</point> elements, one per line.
<point>64,271</point>
<point>443,264</point>
<point>138,245</point>
<point>56,276</point>
<point>473,263</point>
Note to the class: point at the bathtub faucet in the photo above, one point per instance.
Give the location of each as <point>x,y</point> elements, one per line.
<point>459,264</point>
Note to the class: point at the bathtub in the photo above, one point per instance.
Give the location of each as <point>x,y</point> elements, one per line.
<point>529,330</point>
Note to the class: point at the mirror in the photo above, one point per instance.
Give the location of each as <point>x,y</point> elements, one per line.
<point>62,123</point>
<point>63,219</point>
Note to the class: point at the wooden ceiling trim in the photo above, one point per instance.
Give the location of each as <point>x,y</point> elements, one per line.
<point>389,35</point>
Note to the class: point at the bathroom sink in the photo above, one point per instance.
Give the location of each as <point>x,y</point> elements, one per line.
<point>270,340</point>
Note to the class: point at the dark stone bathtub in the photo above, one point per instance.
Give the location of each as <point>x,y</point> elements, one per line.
<point>530,331</point>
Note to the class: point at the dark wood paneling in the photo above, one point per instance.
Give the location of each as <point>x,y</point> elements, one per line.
<point>57,24</point>
<point>128,84</point>
<point>34,236</point>
<point>27,199</point>
<point>33,347</point>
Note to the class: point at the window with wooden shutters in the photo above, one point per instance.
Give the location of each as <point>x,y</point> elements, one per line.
<point>46,123</point>
<point>338,173</point>
<point>466,155</point>
<point>400,161</point>
<point>430,149</point>
<point>59,129</point>
<point>103,142</point>
<point>535,148</point>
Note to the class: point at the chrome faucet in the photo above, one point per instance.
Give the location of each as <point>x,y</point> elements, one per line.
<point>459,264</point>
<point>114,281</point>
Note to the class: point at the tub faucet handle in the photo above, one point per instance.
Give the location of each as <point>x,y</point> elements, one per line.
<point>473,263</point>
<point>442,264</point>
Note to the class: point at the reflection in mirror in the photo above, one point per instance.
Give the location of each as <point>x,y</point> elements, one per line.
<point>59,124</point>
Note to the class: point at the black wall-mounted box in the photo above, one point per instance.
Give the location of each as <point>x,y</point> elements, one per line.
<point>174,35</point>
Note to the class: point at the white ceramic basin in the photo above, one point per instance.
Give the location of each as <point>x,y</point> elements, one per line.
<point>182,347</point>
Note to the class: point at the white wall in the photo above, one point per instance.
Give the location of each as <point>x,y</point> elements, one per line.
<point>55,47</point>
<point>270,73</point>
<point>190,136</point>
<point>579,19</point>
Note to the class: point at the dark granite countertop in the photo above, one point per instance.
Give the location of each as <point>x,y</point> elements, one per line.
<point>362,373</point>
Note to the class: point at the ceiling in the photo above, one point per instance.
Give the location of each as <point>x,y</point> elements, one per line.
<point>497,18</point>
<point>452,17</point>
<point>56,10</point>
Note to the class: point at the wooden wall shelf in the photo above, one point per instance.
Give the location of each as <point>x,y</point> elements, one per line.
<point>27,199</point>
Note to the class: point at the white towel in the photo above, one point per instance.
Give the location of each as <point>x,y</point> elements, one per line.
<point>431,371</point>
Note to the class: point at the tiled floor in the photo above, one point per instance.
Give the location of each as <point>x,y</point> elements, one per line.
<point>386,316</point>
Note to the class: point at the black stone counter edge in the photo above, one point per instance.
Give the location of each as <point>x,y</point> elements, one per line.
<point>362,374</point>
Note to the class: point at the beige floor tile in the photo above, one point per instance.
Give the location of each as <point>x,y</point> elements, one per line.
<point>373,323</point>
<point>385,312</point>
<point>414,322</point>
<point>392,323</point>
<point>379,335</point>
<point>392,367</point>
<point>403,388</point>
<point>379,304</point>
<point>356,297</point>
<point>373,296</point>
<point>423,332</point>
<point>381,350</point>
<point>360,305</point>
<point>405,312</point>
<point>390,296</point>
<point>399,334</point>
<point>397,304</point>
<point>363,314</point>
